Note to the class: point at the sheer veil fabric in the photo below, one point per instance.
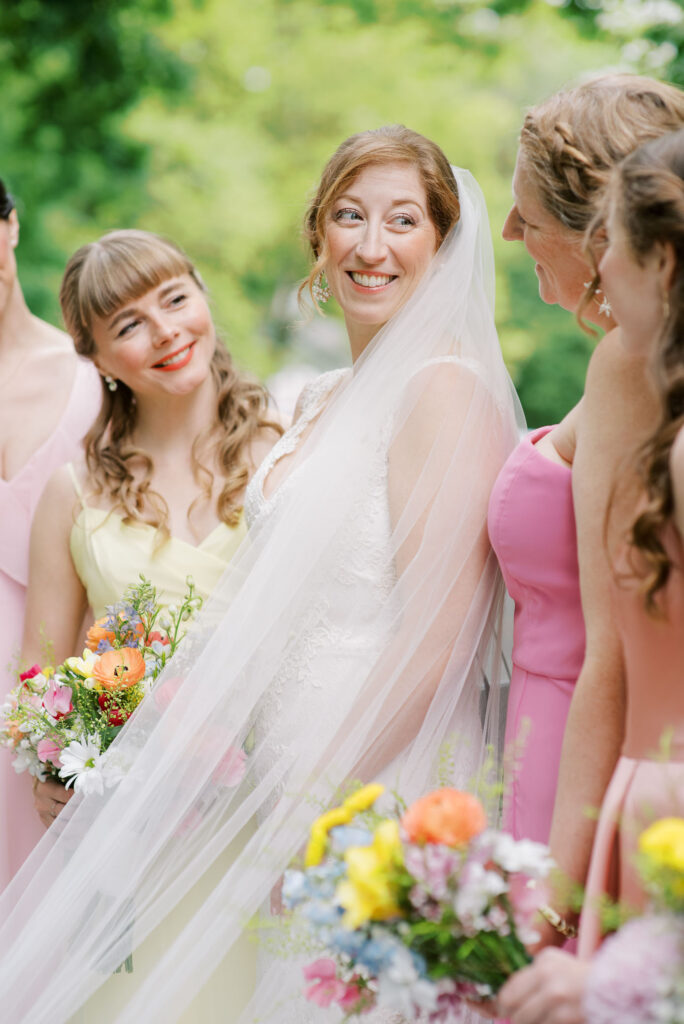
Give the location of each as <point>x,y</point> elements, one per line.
<point>355,635</point>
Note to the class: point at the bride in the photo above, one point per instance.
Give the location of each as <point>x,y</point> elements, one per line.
<point>354,635</point>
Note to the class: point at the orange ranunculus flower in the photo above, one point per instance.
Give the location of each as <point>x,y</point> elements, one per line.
<point>445,816</point>
<point>117,670</point>
<point>97,632</point>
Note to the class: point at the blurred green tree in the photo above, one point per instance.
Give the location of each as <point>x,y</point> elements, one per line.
<point>70,70</point>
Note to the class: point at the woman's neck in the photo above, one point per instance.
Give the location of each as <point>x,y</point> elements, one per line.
<point>17,323</point>
<point>169,424</point>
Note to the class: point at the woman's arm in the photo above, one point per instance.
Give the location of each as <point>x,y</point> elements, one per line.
<point>55,606</point>
<point>56,600</point>
<point>443,462</point>
<point>617,413</point>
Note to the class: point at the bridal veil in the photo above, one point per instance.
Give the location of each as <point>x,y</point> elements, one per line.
<point>291,664</point>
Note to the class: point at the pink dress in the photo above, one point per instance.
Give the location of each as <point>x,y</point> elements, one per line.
<point>532,530</point>
<point>20,827</point>
<point>648,781</point>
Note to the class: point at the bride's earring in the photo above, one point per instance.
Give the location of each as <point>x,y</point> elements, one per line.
<point>320,288</point>
<point>110,382</point>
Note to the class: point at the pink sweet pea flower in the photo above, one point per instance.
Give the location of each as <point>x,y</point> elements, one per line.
<point>30,673</point>
<point>231,768</point>
<point>57,700</point>
<point>328,987</point>
<point>351,996</point>
<point>48,750</point>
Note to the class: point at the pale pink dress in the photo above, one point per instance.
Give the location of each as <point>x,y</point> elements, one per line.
<point>648,781</point>
<point>20,827</point>
<point>532,530</point>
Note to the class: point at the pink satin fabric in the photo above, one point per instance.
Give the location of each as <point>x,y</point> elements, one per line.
<point>532,530</point>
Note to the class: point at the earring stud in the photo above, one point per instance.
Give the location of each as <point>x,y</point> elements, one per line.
<point>110,382</point>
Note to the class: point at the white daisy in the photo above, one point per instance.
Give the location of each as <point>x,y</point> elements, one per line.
<point>81,766</point>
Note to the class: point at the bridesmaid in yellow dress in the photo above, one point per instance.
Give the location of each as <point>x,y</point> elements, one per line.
<point>161,485</point>
<point>642,273</point>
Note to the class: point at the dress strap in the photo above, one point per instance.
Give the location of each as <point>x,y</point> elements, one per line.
<point>77,486</point>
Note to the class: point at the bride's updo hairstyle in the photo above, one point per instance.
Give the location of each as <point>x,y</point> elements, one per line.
<point>392,144</point>
<point>99,279</point>
<point>648,190</point>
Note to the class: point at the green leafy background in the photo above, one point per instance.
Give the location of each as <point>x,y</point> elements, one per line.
<point>210,120</point>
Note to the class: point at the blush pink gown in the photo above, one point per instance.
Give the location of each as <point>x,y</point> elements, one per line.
<point>20,828</point>
<point>648,781</point>
<point>532,530</point>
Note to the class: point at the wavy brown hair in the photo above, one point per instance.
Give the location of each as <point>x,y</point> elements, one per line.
<point>391,144</point>
<point>648,190</point>
<point>99,279</point>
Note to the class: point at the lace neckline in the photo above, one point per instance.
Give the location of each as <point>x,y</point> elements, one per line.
<point>311,402</point>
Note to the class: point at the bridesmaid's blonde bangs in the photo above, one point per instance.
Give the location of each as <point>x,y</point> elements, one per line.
<point>104,275</point>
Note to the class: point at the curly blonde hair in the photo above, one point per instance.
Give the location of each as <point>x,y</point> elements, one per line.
<point>100,278</point>
<point>388,145</point>
<point>648,189</point>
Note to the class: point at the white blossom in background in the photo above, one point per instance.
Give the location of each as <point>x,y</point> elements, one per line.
<point>632,17</point>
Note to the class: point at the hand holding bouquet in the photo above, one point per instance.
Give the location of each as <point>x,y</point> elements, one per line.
<point>416,914</point>
<point>59,722</point>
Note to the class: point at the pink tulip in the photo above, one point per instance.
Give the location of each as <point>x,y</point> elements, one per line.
<point>57,700</point>
<point>48,750</point>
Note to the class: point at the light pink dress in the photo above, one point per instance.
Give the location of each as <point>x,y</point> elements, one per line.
<point>532,530</point>
<point>20,827</point>
<point>648,781</point>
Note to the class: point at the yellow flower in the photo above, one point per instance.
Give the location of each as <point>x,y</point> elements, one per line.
<point>663,843</point>
<point>83,667</point>
<point>363,798</point>
<point>359,801</point>
<point>315,851</point>
<point>369,893</point>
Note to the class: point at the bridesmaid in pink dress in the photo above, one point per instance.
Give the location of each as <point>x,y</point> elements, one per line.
<point>642,273</point>
<point>48,399</point>
<point>567,146</point>
<point>532,530</point>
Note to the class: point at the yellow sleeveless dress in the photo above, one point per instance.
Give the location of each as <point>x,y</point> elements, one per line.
<point>108,555</point>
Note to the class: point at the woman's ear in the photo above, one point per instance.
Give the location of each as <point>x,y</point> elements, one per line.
<point>13,222</point>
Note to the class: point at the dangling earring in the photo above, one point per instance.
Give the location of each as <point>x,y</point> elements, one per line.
<point>320,288</point>
<point>605,308</point>
<point>110,382</point>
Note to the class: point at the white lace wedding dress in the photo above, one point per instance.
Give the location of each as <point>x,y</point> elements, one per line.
<point>353,623</point>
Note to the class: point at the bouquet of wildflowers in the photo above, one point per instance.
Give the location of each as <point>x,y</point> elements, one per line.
<point>59,722</point>
<point>637,976</point>
<point>418,912</point>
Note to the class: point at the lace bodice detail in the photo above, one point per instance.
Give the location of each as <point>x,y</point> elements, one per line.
<point>350,625</point>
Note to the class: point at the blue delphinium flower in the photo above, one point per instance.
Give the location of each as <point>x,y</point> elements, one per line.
<point>344,836</point>
<point>322,912</point>
<point>296,888</point>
